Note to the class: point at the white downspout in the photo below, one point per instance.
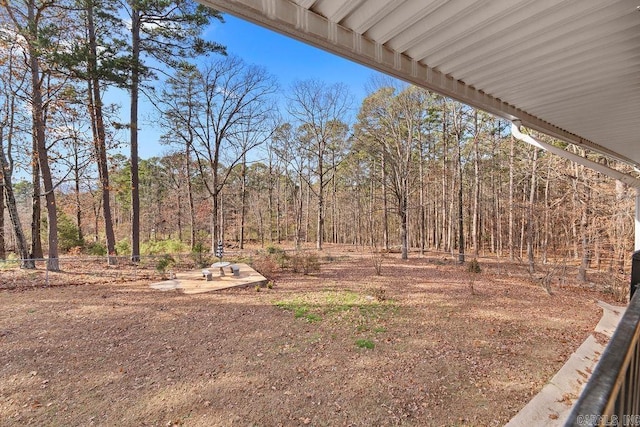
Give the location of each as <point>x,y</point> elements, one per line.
<point>627,179</point>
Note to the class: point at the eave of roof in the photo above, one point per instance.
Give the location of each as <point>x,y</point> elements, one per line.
<point>567,68</point>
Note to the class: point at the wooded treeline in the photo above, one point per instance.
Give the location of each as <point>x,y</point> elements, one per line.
<point>245,160</point>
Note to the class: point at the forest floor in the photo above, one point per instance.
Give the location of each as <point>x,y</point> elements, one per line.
<point>425,343</point>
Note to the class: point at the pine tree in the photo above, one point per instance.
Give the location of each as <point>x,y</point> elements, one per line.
<point>168,32</point>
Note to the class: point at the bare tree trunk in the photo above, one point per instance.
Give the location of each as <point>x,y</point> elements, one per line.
<point>320,227</point>
<point>3,253</point>
<point>497,207</point>
<point>243,198</point>
<point>422,213</point>
<point>476,188</point>
<point>320,224</point>
<point>385,207</point>
<point>287,236</point>
<point>307,212</point>
<point>596,246</point>
<point>179,205</point>
<point>460,208</point>
<point>192,211</point>
<point>496,229</point>
<point>576,208</point>
<point>511,201</point>
<point>584,232</point>
<point>452,204</point>
<point>96,207</point>
<point>36,205</point>
<point>269,199</point>
<point>135,93</point>
<point>21,241</point>
<point>443,219</point>
<point>221,216</point>
<point>334,200</point>
<point>618,225</point>
<point>299,212</point>
<point>278,207</point>
<point>261,228</point>
<point>404,211</point>
<point>359,240</point>
<point>76,172</point>
<point>99,136</point>
<point>372,196</point>
<point>523,223</point>
<point>43,157</point>
<point>547,219</point>
<point>532,194</point>
<point>8,197</point>
<point>103,172</point>
<point>215,224</point>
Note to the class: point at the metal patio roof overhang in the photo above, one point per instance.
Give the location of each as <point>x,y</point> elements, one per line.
<point>567,68</point>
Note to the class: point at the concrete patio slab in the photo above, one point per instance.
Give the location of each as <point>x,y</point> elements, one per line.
<point>194,281</point>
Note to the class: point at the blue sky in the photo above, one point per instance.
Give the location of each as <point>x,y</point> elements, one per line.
<point>287,59</point>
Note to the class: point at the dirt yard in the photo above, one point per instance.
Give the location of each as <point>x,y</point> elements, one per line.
<point>426,343</point>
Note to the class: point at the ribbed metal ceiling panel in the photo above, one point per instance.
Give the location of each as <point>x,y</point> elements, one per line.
<point>570,68</point>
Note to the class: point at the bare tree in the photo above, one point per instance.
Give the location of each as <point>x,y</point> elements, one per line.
<point>294,163</point>
<point>395,123</point>
<point>178,105</point>
<point>13,78</point>
<point>233,99</point>
<point>252,132</point>
<point>167,32</point>
<point>321,110</point>
<point>28,19</point>
<point>530,208</point>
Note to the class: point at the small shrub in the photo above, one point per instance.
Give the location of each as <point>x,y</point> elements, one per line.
<point>272,250</point>
<point>270,284</point>
<point>365,344</point>
<point>75,251</point>
<point>123,247</point>
<point>11,261</point>
<point>68,233</point>
<point>617,287</point>
<point>278,254</point>
<point>200,255</point>
<point>257,288</point>
<point>96,249</point>
<point>266,266</point>
<point>376,259</point>
<point>169,246</point>
<point>474,266</point>
<point>163,263</point>
<point>305,263</point>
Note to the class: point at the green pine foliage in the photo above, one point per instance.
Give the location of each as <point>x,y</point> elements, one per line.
<point>68,233</point>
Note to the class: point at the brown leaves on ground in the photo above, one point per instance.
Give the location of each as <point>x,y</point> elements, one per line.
<point>119,353</point>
